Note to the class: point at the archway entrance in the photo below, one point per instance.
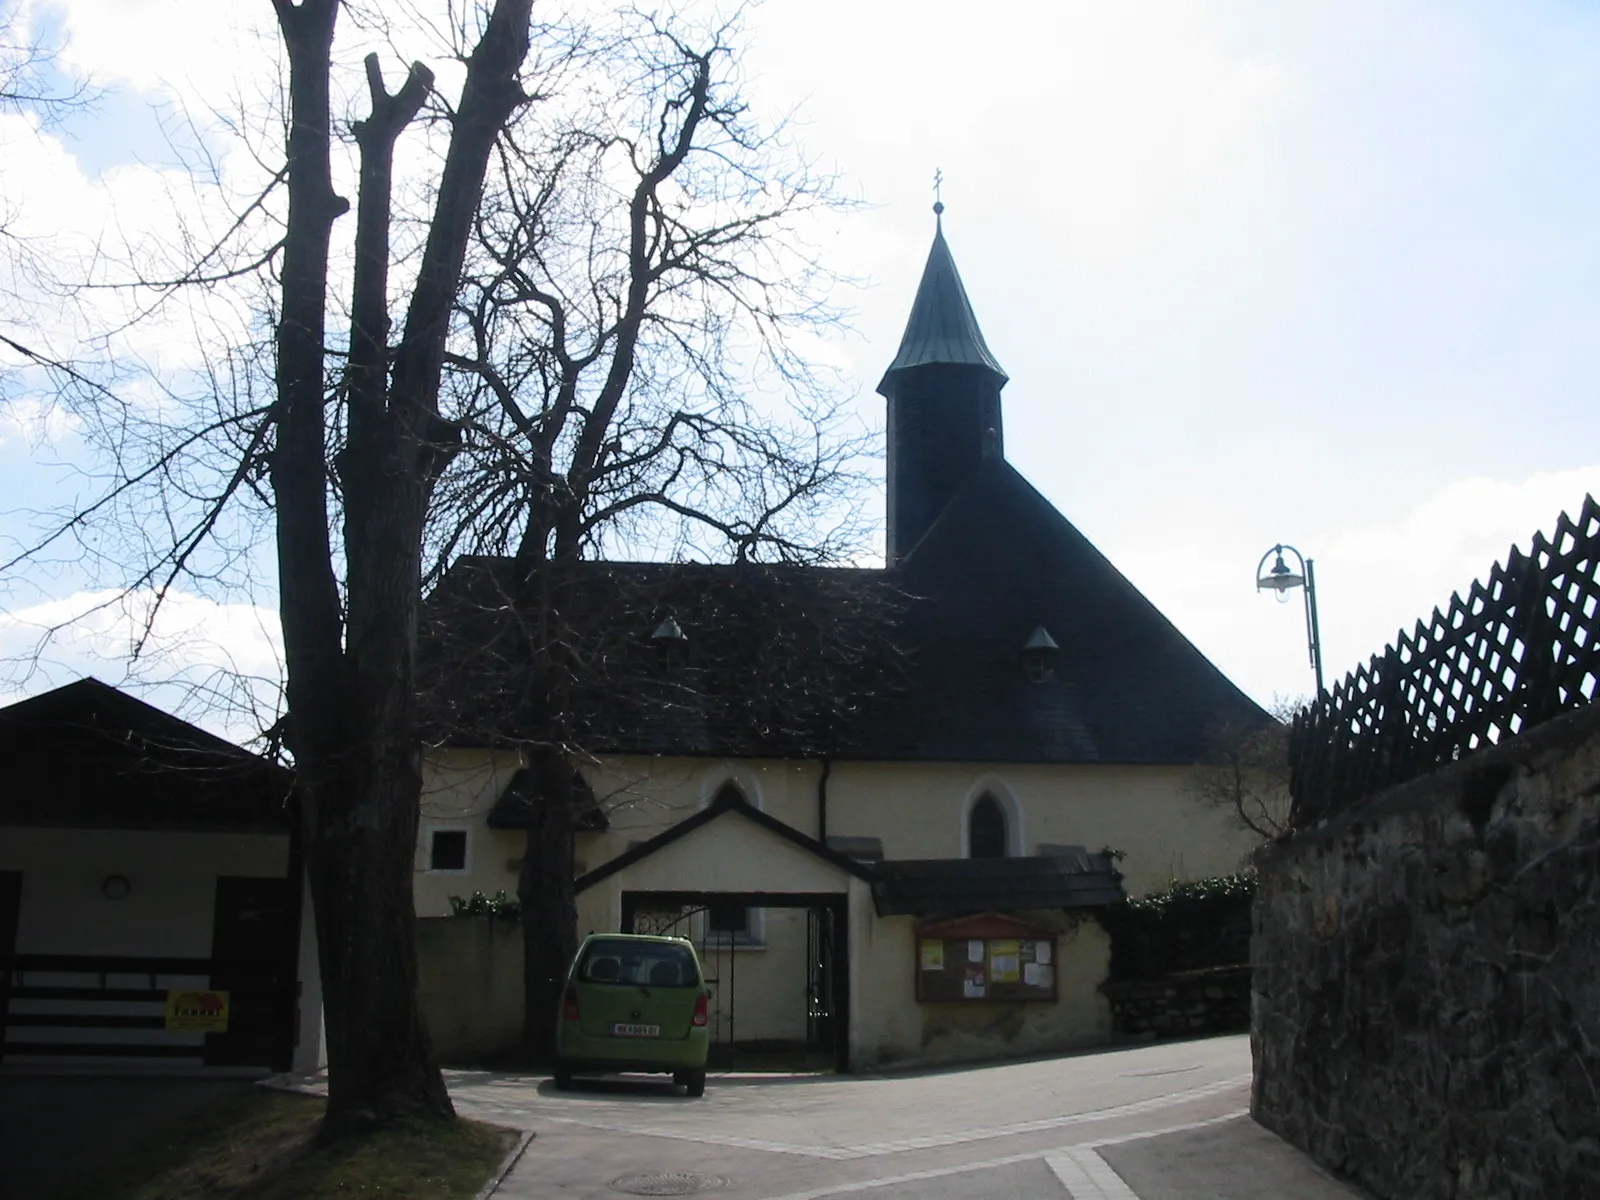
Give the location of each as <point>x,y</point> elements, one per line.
<point>777,964</point>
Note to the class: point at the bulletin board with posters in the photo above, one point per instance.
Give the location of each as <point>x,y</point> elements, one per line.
<point>985,958</point>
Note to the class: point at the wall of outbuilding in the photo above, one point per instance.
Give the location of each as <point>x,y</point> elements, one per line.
<point>168,912</point>
<point>171,900</point>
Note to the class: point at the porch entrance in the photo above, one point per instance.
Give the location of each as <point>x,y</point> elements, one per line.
<point>777,964</point>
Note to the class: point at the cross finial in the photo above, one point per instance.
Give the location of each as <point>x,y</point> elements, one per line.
<point>938,183</point>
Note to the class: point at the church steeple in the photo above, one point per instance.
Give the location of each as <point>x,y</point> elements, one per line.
<point>943,389</point>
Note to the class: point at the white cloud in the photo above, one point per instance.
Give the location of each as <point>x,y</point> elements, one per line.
<point>35,421</point>
<point>164,46</point>
<point>217,664</point>
<point>1373,579</point>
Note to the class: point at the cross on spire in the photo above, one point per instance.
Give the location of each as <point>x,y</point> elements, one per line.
<point>938,183</point>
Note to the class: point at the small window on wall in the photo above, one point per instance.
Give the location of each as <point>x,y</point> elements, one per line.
<point>730,923</point>
<point>447,850</point>
<point>986,829</point>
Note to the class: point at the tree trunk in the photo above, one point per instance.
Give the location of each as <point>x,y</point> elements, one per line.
<point>549,907</point>
<point>360,866</point>
<point>351,763</point>
<point>352,659</point>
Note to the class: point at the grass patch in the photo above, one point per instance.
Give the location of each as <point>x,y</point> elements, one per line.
<point>260,1147</point>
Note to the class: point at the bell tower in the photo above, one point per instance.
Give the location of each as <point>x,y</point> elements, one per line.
<point>943,389</point>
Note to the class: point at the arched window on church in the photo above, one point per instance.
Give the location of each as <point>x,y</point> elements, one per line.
<point>986,829</point>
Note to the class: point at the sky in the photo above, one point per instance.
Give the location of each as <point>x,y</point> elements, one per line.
<point>1323,274</point>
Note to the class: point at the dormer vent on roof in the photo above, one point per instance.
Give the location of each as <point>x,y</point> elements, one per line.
<point>1039,656</point>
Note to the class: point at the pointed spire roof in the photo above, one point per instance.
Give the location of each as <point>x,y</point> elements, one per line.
<point>942,327</point>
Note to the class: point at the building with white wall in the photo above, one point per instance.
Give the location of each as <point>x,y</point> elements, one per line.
<point>153,913</point>
<point>877,798</point>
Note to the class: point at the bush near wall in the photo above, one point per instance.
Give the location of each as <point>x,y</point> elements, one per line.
<point>1192,926</point>
<point>498,907</point>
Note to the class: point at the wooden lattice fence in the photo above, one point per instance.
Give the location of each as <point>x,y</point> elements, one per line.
<point>1520,649</point>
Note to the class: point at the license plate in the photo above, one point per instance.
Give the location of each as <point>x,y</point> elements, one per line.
<point>621,1029</point>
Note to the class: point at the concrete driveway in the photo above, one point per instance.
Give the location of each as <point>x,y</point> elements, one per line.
<point>1160,1122</point>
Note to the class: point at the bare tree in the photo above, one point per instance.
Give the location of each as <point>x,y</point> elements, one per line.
<point>335,440</point>
<point>562,375</point>
<point>634,269</point>
<point>351,650</point>
<point>1246,772</point>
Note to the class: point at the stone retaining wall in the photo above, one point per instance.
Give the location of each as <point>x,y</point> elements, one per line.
<point>1216,1000</point>
<point>1426,1007</point>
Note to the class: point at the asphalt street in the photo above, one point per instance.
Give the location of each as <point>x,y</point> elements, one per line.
<point>1158,1122</point>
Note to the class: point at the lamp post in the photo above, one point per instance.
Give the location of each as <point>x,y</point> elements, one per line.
<point>1282,580</point>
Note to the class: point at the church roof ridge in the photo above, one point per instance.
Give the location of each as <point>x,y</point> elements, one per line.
<point>942,327</point>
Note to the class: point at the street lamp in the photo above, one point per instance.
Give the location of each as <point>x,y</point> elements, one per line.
<point>1282,580</point>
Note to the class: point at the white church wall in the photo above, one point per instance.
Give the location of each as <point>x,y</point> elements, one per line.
<point>919,811</point>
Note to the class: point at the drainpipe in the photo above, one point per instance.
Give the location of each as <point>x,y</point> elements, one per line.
<point>822,801</point>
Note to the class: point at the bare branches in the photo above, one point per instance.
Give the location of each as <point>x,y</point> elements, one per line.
<point>637,260</point>
<point>27,81</point>
<point>1246,774</point>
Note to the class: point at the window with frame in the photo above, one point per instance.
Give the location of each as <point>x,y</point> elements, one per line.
<point>732,923</point>
<point>986,829</point>
<point>447,850</point>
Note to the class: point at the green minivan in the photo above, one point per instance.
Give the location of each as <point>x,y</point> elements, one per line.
<point>634,1003</point>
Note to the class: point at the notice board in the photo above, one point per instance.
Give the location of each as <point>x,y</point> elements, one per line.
<point>985,958</point>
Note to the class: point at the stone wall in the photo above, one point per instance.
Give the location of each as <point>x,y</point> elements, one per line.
<point>470,970</point>
<point>1214,1000</point>
<point>1426,1004</point>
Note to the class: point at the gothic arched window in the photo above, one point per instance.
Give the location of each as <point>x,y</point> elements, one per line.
<point>986,829</point>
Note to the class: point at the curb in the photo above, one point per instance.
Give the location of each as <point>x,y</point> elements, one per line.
<point>507,1165</point>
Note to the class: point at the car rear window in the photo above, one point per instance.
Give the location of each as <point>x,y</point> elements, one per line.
<point>653,964</point>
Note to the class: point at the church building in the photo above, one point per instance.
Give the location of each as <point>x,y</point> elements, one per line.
<point>912,876</point>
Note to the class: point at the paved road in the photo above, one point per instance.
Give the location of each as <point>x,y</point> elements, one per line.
<point>1161,1122</point>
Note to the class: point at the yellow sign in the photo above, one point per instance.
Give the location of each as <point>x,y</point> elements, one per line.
<point>932,955</point>
<point>1004,961</point>
<point>198,1012</point>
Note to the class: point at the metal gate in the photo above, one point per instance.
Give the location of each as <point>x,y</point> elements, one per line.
<point>814,1005</point>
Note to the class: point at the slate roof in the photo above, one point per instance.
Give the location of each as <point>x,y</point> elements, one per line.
<point>922,662</point>
<point>89,755</point>
<point>938,887</point>
<point>776,661</point>
<point>942,327</point>
<point>1000,562</point>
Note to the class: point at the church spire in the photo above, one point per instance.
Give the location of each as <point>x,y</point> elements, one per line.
<point>942,327</point>
<point>943,389</point>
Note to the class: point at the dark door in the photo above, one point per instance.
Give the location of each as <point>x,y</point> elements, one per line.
<point>253,959</point>
<point>10,903</point>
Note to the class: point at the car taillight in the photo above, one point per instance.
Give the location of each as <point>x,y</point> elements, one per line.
<point>699,1012</point>
<point>569,1006</point>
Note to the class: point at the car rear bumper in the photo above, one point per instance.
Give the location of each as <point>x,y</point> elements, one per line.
<point>581,1052</point>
